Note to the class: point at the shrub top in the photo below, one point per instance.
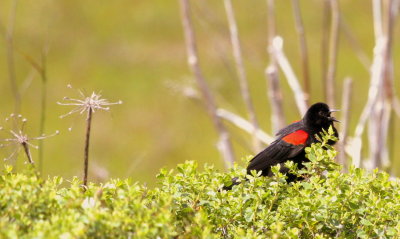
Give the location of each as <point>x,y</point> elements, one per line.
<point>189,203</point>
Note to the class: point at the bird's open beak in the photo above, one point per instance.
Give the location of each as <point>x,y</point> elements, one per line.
<point>333,110</point>
<point>333,119</point>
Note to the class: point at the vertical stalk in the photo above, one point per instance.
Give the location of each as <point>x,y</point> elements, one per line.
<point>43,74</point>
<point>224,145</point>
<point>283,62</point>
<point>10,57</point>
<point>333,51</point>
<point>244,88</point>
<point>303,47</point>
<point>87,140</point>
<point>27,152</point>
<point>272,74</point>
<point>325,45</point>
<point>346,101</point>
<point>275,97</point>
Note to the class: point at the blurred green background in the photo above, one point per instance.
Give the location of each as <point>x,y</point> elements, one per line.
<point>134,51</point>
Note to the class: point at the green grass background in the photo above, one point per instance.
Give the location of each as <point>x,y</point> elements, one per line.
<point>132,50</point>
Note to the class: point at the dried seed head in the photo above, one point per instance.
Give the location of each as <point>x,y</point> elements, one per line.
<point>18,137</point>
<point>87,103</point>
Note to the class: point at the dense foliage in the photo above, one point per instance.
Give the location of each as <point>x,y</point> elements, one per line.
<point>189,203</point>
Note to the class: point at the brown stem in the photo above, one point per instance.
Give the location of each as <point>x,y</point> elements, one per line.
<point>333,51</point>
<point>10,57</point>
<point>43,75</point>
<point>345,109</point>
<point>303,46</point>
<point>325,44</point>
<point>224,146</point>
<point>283,62</point>
<point>27,152</point>
<point>244,88</point>
<point>272,74</point>
<point>275,98</point>
<point>87,140</point>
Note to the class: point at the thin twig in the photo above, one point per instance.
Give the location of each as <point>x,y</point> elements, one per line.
<point>42,71</point>
<point>377,18</point>
<point>87,141</point>
<point>275,98</point>
<point>272,74</point>
<point>325,44</point>
<point>224,144</point>
<point>333,52</point>
<point>244,88</point>
<point>381,113</point>
<point>10,57</point>
<point>42,111</point>
<point>373,93</point>
<point>388,91</point>
<point>345,109</point>
<point>303,46</point>
<point>377,74</point>
<point>294,84</point>
<point>244,125</point>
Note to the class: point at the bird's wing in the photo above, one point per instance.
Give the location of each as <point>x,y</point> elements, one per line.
<point>280,150</point>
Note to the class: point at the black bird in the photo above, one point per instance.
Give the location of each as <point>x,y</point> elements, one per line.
<point>291,142</point>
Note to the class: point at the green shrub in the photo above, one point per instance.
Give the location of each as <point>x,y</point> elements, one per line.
<point>189,203</point>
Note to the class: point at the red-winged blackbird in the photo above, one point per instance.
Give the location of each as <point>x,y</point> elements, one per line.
<point>291,142</point>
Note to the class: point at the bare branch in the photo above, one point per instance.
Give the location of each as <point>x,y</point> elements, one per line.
<point>373,93</point>
<point>294,84</point>
<point>371,111</point>
<point>244,125</point>
<point>224,144</point>
<point>303,46</point>
<point>10,57</point>
<point>325,44</point>
<point>272,74</point>
<point>345,109</point>
<point>333,51</point>
<point>244,88</point>
<point>275,98</point>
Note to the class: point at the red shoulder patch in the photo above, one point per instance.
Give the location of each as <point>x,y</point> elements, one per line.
<point>296,138</point>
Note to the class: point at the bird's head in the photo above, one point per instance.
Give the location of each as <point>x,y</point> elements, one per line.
<point>319,116</point>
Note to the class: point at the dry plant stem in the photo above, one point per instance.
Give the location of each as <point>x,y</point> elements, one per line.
<point>27,152</point>
<point>42,110</point>
<point>10,57</point>
<point>294,83</point>
<point>87,141</point>
<point>244,125</point>
<point>381,113</point>
<point>388,89</point>
<point>377,75</point>
<point>224,144</point>
<point>325,44</point>
<point>274,91</point>
<point>244,88</point>
<point>345,109</point>
<point>373,93</point>
<point>377,18</point>
<point>333,51</point>
<point>275,97</point>
<point>303,47</point>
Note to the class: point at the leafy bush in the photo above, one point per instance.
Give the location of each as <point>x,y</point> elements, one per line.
<point>190,204</point>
